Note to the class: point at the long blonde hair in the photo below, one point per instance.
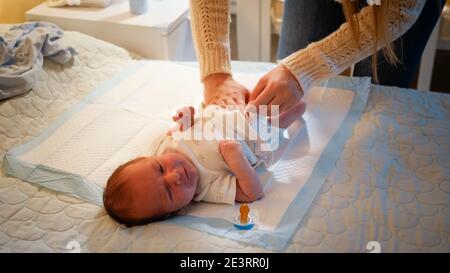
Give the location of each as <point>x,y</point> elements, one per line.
<point>381,23</point>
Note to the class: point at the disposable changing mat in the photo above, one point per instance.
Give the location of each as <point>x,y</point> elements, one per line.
<point>118,121</point>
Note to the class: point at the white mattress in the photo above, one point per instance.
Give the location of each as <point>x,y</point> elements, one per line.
<point>391,184</point>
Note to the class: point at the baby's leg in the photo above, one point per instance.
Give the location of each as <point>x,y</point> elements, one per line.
<point>292,114</point>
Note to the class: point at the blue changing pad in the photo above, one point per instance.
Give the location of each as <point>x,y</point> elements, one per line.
<point>39,162</point>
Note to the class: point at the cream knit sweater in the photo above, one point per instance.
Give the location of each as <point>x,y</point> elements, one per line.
<point>330,56</point>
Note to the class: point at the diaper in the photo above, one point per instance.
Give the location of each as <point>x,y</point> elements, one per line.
<point>257,138</point>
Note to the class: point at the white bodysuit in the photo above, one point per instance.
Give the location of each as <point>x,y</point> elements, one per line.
<point>200,143</point>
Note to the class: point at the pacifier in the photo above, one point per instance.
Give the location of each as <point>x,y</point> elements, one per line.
<point>244,221</point>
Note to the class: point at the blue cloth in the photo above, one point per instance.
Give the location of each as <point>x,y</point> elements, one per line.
<point>22,50</point>
<point>306,21</point>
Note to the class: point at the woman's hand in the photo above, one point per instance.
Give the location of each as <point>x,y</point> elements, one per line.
<point>221,89</point>
<point>278,87</point>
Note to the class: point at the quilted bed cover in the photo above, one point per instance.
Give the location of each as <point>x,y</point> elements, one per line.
<point>391,183</point>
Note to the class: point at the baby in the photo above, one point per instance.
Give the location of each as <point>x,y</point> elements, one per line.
<point>183,167</point>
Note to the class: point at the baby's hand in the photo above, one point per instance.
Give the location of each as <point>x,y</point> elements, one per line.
<point>184,117</point>
<point>231,150</point>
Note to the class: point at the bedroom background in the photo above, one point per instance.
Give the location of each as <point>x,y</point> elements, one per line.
<point>13,11</point>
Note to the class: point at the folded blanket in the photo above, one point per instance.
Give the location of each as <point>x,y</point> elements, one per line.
<point>22,50</point>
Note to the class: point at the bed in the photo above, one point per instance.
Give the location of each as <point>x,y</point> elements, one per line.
<point>389,191</point>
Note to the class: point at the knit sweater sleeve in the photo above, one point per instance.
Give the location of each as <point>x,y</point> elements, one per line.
<point>338,51</point>
<point>210,22</point>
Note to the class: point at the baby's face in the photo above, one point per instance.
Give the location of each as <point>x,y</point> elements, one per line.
<point>161,184</point>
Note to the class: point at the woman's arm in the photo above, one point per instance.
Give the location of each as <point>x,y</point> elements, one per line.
<point>210,29</point>
<point>210,22</point>
<point>338,51</point>
<point>248,188</point>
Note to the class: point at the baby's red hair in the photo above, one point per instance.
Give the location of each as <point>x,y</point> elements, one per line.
<point>112,194</point>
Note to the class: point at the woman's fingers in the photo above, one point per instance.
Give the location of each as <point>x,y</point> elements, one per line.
<point>278,87</point>
<point>290,115</point>
<point>263,99</point>
<point>270,99</point>
<point>231,103</point>
<point>275,102</point>
<point>240,100</point>
<point>258,88</point>
<point>240,105</point>
<point>284,105</point>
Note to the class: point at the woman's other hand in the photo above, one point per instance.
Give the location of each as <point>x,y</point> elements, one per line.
<point>277,87</point>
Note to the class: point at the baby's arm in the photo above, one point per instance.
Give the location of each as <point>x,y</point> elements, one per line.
<point>248,188</point>
<point>184,119</point>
